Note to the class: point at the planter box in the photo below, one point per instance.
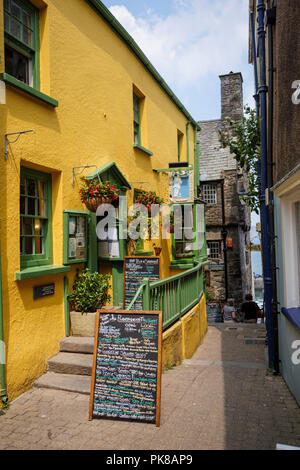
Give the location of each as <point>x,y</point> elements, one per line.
<point>83,324</point>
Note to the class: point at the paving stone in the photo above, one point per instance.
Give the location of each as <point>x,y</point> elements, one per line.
<point>207,403</point>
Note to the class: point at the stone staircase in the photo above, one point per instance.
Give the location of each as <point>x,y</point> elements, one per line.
<point>71,368</point>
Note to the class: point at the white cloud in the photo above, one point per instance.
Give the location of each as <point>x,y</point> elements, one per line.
<point>197,39</point>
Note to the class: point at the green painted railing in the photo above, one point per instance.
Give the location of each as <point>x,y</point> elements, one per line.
<point>174,296</point>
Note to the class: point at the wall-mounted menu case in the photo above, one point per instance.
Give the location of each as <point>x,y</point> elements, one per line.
<point>75,237</point>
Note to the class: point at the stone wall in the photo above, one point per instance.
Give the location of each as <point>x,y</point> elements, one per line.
<point>218,164</point>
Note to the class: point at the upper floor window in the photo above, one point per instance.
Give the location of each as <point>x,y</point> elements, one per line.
<point>35,218</point>
<point>214,249</point>
<point>209,192</point>
<point>137,119</point>
<point>21,26</point>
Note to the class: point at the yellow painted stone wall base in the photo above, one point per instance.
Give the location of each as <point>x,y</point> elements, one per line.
<point>185,336</point>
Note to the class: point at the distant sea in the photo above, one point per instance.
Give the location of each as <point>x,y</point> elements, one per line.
<point>256,262</point>
<point>257,270</point>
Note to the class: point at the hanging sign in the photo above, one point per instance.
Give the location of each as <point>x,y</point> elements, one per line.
<point>126,377</point>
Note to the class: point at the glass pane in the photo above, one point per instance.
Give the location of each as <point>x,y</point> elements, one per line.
<point>31,187</point>
<point>31,203</point>
<point>16,28</point>
<point>28,242</point>
<point>39,243</point>
<point>41,189</point>
<point>6,22</point>
<point>22,205</point>
<point>22,185</point>
<point>6,4</point>
<point>28,226</point>
<point>16,65</point>
<point>41,207</point>
<point>27,36</point>
<point>16,10</point>
<point>26,19</point>
<point>38,227</point>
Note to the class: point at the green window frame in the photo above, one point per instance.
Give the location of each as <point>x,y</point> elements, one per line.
<point>178,256</point>
<point>35,218</point>
<point>21,36</point>
<point>136,120</point>
<point>72,217</point>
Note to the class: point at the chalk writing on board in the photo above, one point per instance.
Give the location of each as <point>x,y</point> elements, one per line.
<point>126,367</point>
<point>135,270</point>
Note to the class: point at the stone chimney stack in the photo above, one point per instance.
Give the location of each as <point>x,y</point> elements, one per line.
<point>232,96</point>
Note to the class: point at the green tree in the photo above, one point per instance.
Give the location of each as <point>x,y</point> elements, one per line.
<point>243,140</point>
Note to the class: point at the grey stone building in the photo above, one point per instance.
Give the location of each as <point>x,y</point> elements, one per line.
<point>228,222</point>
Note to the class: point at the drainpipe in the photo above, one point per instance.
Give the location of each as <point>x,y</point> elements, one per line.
<point>271,19</point>
<point>262,90</point>
<point>3,393</point>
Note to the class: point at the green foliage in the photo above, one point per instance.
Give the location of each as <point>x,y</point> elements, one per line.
<point>90,291</point>
<point>243,141</point>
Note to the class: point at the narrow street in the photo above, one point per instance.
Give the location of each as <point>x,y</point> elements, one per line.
<point>222,399</point>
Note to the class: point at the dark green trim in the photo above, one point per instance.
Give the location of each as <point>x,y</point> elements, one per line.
<point>122,181</point>
<point>121,32</point>
<point>28,90</point>
<point>32,51</point>
<point>40,271</point>
<point>3,392</point>
<point>118,284</point>
<point>28,261</point>
<point>143,149</point>
<point>66,306</point>
<point>92,263</point>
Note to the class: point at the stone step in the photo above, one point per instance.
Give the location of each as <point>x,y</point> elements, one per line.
<point>71,363</point>
<point>67,382</point>
<point>77,344</point>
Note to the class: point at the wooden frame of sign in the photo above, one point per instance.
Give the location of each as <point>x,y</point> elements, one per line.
<point>127,387</point>
<point>126,259</point>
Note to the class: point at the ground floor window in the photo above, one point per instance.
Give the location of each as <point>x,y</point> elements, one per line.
<point>35,221</point>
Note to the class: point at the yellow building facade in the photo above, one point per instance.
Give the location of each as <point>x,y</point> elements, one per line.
<point>69,77</point>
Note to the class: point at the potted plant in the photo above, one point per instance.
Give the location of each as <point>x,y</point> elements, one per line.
<point>157,249</point>
<point>93,193</point>
<point>90,292</point>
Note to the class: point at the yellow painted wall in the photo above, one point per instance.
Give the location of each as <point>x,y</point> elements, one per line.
<point>91,72</point>
<point>185,336</point>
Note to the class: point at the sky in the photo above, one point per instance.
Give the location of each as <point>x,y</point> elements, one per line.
<point>191,43</point>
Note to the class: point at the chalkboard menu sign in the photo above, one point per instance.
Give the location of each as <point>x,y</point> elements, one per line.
<point>214,312</point>
<point>126,377</point>
<point>137,268</point>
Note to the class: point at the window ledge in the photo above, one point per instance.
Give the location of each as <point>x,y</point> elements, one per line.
<point>40,271</point>
<point>143,149</point>
<point>28,89</point>
<point>293,314</point>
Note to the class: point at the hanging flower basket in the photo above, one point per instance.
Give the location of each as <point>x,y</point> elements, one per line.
<point>93,194</point>
<point>147,199</point>
<point>92,204</point>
